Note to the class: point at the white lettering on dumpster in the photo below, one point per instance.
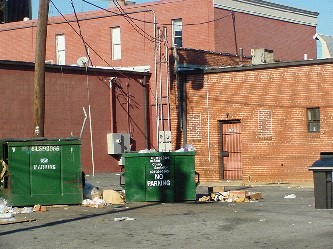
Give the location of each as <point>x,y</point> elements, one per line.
<point>45,148</point>
<point>44,166</point>
<point>159,172</point>
<point>158,183</point>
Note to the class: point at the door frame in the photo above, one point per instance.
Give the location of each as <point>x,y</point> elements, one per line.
<point>222,153</point>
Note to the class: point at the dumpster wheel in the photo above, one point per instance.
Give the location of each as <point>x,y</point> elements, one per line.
<point>4,169</point>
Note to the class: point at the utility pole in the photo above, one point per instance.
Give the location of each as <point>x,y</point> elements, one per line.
<point>39,77</point>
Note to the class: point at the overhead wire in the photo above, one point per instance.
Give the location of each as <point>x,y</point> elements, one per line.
<point>132,23</point>
<point>99,56</point>
<point>162,24</point>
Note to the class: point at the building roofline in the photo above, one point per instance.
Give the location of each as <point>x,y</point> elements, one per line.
<point>71,68</point>
<point>270,10</point>
<point>212,70</point>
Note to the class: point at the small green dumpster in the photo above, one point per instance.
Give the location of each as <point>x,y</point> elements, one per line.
<point>41,171</point>
<point>323,180</point>
<point>160,176</point>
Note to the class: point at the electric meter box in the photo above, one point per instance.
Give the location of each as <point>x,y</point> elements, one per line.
<point>118,143</point>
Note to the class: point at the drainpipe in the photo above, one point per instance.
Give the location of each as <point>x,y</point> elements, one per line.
<point>146,110</point>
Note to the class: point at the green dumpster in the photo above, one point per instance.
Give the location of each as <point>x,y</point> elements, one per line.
<point>41,171</point>
<point>160,176</point>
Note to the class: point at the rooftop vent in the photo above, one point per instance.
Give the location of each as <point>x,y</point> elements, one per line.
<point>262,56</point>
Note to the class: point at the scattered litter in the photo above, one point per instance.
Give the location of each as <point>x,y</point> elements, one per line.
<point>95,203</point>
<point>14,221</point>
<point>232,196</point>
<point>113,197</point>
<point>90,191</point>
<point>39,208</point>
<point>291,196</point>
<point>124,218</point>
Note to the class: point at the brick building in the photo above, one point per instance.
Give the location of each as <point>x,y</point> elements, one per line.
<point>258,123</point>
<point>128,41</point>
<point>117,102</point>
<point>117,39</point>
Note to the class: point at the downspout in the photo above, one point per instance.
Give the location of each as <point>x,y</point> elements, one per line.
<point>184,111</point>
<point>146,110</point>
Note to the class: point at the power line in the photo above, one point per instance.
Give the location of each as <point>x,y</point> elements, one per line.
<point>86,42</point>
<point>162,24</point>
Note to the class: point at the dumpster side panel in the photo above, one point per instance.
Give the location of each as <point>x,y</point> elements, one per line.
<point>185,186</point>
<point>320,191</point>
<point>160,177</point>
<point>135,187</point>
<point>71,173</point>
<point>19,171</point>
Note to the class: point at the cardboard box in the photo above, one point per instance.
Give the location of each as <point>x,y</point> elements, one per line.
<point>113,197</point>
<point>215,189</point>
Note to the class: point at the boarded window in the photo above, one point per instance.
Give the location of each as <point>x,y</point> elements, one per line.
<point>265,123</point>
<point>194,126</point>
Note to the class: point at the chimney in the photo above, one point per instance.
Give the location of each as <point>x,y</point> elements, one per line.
<point>120,3</point>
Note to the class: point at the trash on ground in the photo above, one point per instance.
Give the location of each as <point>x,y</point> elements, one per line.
<point>90,191</point>
<point>95,203</point>
<point>111,196</point>
<point>39,208</point>
<point>232,196</point>
<point>14,221</point>
<point>124,218</point>
<point>291,196</point>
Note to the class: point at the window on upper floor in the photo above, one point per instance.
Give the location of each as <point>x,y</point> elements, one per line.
<point>313,118</point>
<point>177,32</point>
<point>116,44</point>
<point>60,49</point>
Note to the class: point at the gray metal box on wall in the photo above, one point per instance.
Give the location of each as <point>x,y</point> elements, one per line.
<point>118,143</point>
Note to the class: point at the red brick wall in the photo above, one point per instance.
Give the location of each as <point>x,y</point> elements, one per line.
<point>286,92</point>
<point>201,57</point>
<point>66,95</point>
<point>289,41</point>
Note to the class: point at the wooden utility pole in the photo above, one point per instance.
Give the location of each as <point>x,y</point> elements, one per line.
<point>39,79</point>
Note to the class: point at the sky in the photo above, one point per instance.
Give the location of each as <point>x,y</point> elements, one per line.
<point>323,7</point>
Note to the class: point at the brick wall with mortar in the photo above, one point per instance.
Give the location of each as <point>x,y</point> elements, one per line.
<point>284,153</point>
<point>288,40</point>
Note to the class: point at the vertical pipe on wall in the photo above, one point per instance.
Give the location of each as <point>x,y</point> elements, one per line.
<point>145,102</point>
<point>208,119</point>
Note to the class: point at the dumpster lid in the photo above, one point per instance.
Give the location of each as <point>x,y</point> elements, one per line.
<point>325,161</point>
<point>38,139</point>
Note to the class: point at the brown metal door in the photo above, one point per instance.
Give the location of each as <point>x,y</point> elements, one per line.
<point>231,153</point>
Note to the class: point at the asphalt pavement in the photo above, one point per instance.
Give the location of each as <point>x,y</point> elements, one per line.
<point>273,222</point>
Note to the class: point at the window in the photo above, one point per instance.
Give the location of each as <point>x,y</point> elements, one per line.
<point>313,117</point>
<point>116,45</point>
<point>177,32</point>
<point>60,49</point>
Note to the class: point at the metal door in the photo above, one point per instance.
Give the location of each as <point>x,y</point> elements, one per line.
<point>230,150</point>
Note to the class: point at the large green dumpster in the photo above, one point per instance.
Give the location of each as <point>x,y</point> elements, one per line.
<point>41,171</point>
<point>160,176</point>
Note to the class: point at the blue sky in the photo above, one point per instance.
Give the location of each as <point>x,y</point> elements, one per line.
<point>324,7</point>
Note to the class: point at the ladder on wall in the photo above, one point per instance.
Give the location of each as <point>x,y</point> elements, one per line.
<point>162,92</point>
